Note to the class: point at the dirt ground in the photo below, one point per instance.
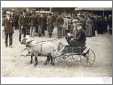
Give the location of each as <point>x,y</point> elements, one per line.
<point>14,65</point>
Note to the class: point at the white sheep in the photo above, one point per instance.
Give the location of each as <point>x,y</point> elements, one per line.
<point>46,48</point>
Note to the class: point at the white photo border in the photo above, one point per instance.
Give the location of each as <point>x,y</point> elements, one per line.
<point>56,80</point>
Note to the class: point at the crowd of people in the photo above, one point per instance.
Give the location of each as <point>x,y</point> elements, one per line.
<point>30,23</point>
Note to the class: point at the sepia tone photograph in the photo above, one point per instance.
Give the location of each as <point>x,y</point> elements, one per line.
<point>56,42</point>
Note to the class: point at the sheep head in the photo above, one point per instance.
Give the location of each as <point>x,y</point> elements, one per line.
<point>26,41</point>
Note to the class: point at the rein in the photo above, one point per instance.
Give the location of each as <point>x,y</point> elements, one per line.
<point>44,41</point>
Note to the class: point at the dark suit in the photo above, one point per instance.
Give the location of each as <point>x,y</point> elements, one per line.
<point>23,21</point>
<point>20,22</point>
<point>8,28</point>
<point>60,22</point>
<point>33,23</point>
<point>41,28</point>
<point>50,25</point>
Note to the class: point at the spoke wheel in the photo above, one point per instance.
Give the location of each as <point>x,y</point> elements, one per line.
<point>90,57</point>
<point>60,59</point>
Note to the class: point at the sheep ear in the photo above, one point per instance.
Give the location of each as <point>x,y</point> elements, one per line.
<point>30,41</point>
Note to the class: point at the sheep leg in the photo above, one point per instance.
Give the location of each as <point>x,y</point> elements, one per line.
<point>31,59</point>
<point>47,60</point>
<point>36,61</point>
<point>52,63</point>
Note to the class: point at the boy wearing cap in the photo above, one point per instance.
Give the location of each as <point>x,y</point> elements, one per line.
<point>77,39</point>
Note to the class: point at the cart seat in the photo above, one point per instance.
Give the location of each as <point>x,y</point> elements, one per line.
<point>71,49</point>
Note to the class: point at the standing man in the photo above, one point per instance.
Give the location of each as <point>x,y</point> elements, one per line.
<point>15,19</point>
<point>8,29</point>
<point>105,24</point>
<point>50,25</point>
<point>44,24</point>
<point>28,21</point>
<point>37,22</point>
<point>110,23</point>
<point>20,23</point>
<point>33,23</point>
<point>66,25</point>
<point>25,24</point>
<point>89,27</point>
<point>41,25</point>
<point>60,22</point>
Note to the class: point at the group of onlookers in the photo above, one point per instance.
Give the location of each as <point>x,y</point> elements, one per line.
<point>30,23</point>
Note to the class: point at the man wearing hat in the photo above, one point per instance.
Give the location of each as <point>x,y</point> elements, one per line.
<point>50,25</point>
<point>23,25</point>
<point>60,22</point>
<point>8,29</point>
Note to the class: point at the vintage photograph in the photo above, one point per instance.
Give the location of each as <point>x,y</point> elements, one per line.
<point>56,42</point>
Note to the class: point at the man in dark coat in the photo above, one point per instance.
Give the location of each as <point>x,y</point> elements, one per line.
<point>60,22</point>
<point>22,25</point>
<point>15,20</point>
<point>41,25</point>
<point>8,29</point>
<point>33,23</point>
<point>27,22</point>
<point>99,25</point>
<point>105,24</point>
<point>110,23</point>
<point>37,22</point>
<point>50,25</point>
<point>44,24</point>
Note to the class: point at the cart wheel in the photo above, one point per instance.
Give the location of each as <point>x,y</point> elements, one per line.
<point>69,59</point>
<point>61,59</point>
<point>90,57</point>
<point>74,58</point>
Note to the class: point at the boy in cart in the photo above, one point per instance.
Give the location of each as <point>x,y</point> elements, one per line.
<point>77,39</point>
